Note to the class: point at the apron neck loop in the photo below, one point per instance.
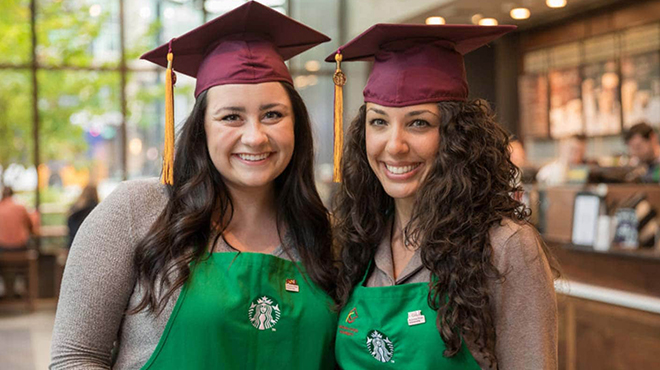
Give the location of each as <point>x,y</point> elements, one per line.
<point>366,272</point>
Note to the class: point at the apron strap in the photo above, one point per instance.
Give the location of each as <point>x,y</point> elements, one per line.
<point>366,273</point>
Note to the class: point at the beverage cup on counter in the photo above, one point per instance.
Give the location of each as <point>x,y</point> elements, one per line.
<point>604,233</point>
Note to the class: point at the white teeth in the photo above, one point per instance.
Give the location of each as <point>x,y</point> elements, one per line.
<point>402,169</point>
<point>254,157</point>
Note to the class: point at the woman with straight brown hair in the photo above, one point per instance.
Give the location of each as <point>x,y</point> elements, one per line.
<point>228,264</point>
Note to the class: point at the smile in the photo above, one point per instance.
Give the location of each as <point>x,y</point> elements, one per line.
<point>254,157</point>
<point>400,170</point>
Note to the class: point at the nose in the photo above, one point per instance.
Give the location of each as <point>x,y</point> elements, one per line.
<point>254,135</point>
<point>397,143</point>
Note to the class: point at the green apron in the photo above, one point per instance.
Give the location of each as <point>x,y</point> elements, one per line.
<point>242,311</point>
<point>393,327</point>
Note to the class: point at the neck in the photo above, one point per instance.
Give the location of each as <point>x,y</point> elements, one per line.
<point>401,253</point>
<point>253,226</point>
<point>402,213</point>
<point>253,207</point>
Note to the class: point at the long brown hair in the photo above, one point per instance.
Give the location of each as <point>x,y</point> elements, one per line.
<point>181,233</point>
<point>468,191</point>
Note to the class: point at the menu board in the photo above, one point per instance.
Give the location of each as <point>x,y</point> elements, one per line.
<point>533,96</point>
<point>640,89</point>
<point>600,99</point>
<point>565,104</point>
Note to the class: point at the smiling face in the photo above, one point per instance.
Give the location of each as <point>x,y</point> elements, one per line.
<point>249,132</point>
<point>402,144</point>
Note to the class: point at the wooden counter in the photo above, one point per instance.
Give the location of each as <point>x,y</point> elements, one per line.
<point>609,310</point>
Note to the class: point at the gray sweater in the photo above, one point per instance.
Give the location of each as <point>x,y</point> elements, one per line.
<point>99,285</point>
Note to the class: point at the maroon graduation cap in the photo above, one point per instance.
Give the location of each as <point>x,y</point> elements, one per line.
<point>247,45</point>
<point>413,64</point>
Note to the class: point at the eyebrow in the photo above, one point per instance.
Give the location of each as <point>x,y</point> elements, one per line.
<point>243,110</point>
<point>272,105</point>
<point>409,114</point>
<point>418,112</point>
<point>376,110</point>
<point>231,109</point>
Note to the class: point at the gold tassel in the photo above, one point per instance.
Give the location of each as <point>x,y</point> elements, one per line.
<point>339,79</point>
<point>168,150</point>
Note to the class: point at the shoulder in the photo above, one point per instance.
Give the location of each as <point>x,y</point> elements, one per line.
<point>11,205</point>
<point>135,204</point>
<point>139,195</point>
<point>524,302</point>
<point>515,243</point>
<point>144,191</point>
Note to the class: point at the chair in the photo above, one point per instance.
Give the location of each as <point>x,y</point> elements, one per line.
<point>23,261</point>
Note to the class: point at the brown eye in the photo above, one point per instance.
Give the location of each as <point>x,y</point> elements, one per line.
<point>231,117</point>
<point>273,115</point>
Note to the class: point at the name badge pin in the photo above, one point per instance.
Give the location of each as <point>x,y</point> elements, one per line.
<point>292,286</point>
<point>416,318</point>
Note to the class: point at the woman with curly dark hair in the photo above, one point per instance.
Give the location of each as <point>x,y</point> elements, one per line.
<point>439,268</point>
<point>228,265</point>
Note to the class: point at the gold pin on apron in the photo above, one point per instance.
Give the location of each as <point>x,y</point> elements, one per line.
<point>292,286</point>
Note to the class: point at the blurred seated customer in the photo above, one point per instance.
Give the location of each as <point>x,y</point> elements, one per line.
<point>15,223</point>
<point>572,153</point>
<point>15,230</point>
<point>86,202</point>
<point>644,150</point>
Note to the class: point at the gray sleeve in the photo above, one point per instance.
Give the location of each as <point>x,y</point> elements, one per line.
<point>96,287</point>
<point>525,305</point>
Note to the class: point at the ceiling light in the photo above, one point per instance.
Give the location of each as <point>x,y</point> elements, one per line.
<point>435,20</point>
<point>476,18</point>
<point>488,22</point>
<point>519,13</point>
<point>555,3</point>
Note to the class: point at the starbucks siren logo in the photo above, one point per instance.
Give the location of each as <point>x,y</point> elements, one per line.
<point>264,313</point>
<point>380,346</point>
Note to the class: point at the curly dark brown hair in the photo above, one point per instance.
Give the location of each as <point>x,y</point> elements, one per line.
<point>468,191</point>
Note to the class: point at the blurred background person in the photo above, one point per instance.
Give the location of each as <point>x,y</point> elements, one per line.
<point>644,150</point>
<point>16,227</point>
<point>82,207</point>
<point>15,223</point>
<point>572,153</point>
<point>576,148</point>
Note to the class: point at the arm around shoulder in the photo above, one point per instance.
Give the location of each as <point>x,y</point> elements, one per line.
<point>97,284</point>
<point>524,303</point>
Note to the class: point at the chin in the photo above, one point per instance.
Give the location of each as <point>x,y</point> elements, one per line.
<point>256,182</point>
<point>400,192</point>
